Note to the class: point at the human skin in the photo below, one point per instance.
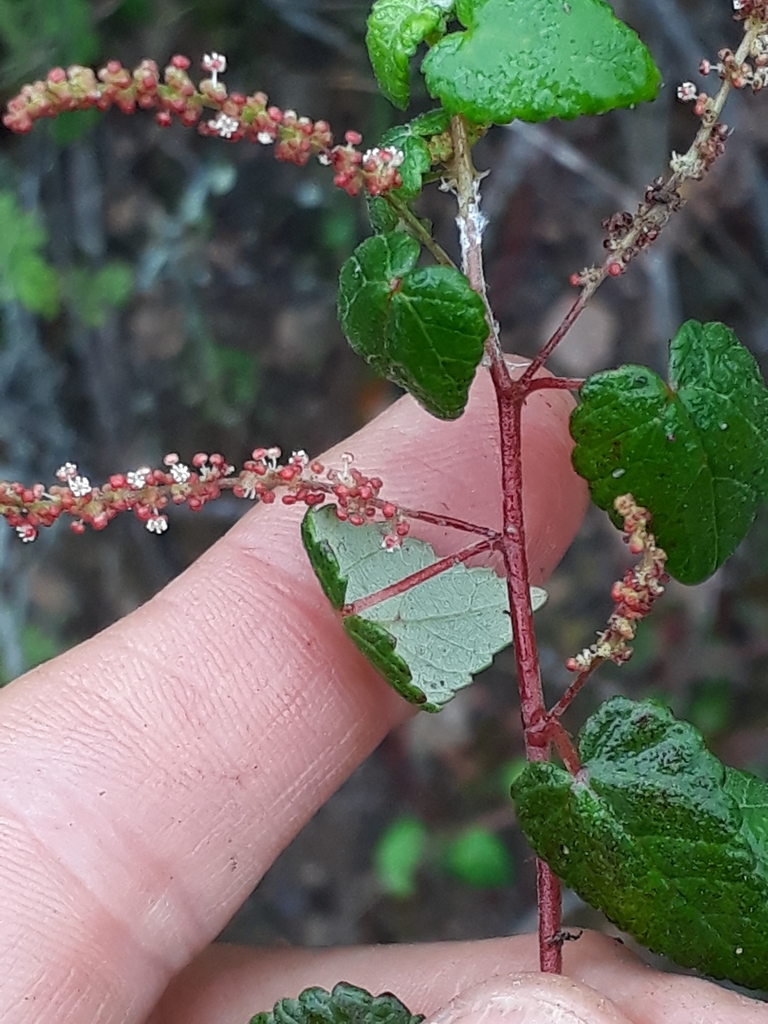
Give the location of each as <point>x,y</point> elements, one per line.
<point>153,774</point>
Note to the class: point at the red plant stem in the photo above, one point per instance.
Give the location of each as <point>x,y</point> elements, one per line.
<point>565,325</point>
<point>559,383</point>
<point>420,576</point>
<point>510,408</point>
<point>436,519</point>
<point>550,923</point>
<point>510,398</point>
<point>565,701</point>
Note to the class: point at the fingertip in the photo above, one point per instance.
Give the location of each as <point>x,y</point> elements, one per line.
<point>530,998</point>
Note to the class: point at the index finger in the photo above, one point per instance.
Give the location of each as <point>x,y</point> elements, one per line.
<point>153,774</point>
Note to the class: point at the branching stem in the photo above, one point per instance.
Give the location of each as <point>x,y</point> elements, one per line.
<point>510,399</point>
<point>662,200</point>
<point>419,232</point>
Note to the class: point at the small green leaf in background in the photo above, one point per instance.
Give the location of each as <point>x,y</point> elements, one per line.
<point>398,855</point>
<point>94,295</point>
<point>694,451</point>
<point>346,1004</point>
<point>395,29</point>
<point>25,275</point>
<point>537,59</point>
<point>73,125</point>
<point>427,642</point>
<point>479,858</point>
<point>420,327</point>
<point>654,831</point>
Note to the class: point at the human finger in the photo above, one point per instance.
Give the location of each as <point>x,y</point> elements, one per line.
<point>228,984</point>
<point>153,774</point>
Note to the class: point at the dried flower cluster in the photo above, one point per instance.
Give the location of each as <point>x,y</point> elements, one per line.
<point>629,234</point>
<point>633,596</point>
<point>237,117</point>
<point>147,492</point>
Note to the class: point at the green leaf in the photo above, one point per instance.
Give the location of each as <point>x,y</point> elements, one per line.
<point>346,1004</point>
<point>73,125</point>
<point>694,451</point>
<point>35,283</point>
<point>395,29</point>
<point>93,296</point>
<point>409,138</point>
<point>416,162</point>
<point>25,275</point>
<point>427,642</point>
<point>668,842</point>
<point>398,855</point>
<point>381,215</point>
<point>479,858</point>
<point>421,327</point>
<point>536,59</point>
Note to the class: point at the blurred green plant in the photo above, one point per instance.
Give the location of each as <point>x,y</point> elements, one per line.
<point>476,857</point>
<point>25,274</point>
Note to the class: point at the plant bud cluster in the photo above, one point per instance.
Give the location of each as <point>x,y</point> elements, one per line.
<point>237,117</point>
<point>633,596</point>
<point>148,492</point>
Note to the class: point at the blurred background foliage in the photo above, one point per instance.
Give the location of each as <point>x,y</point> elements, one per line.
<point>162,292</point>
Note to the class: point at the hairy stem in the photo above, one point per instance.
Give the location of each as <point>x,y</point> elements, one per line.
<point>471,224</point>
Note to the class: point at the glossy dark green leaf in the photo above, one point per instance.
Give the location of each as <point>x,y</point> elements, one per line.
<point>668,842</point>
<point>421,327</point>
<point>694,451</point>
<point>536,59</point>
<point>381,215</point>
<point>395,29</point>
<point>431,640</point>
<point>346,1004</point>
<point>410,139</point>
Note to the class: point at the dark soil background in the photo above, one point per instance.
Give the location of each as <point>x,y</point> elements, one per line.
<point>227,338</point>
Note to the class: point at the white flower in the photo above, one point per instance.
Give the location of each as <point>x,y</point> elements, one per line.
<point>322,158</point>
<point>224,126</point>
<point>215,64</point>
<point>26,534</point>
<point>157,524</point>
<point>63,473</point>
<point>180,472</point>
<point>687,92</point>
<point>79,485</point>
<point>137,478</point>
<point>265,138</point>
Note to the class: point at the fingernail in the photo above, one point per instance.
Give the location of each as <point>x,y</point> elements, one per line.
<point>530,999</point>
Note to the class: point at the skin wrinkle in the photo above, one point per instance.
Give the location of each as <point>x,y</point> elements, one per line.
<point>102,929</point>
<point>125,896</point>
<point>161,788</point>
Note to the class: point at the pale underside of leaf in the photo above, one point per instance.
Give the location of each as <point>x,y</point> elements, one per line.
<point>441,632</point>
